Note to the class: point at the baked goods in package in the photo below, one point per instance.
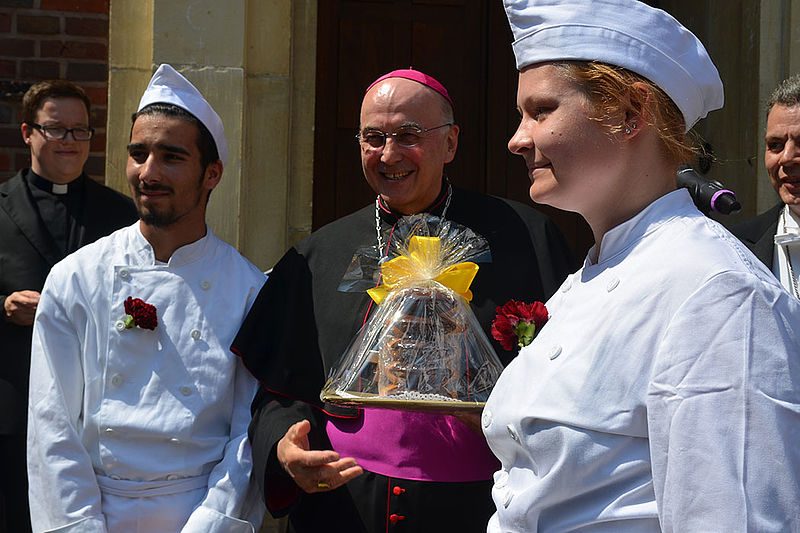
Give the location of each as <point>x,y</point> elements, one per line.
<point>422,348</point>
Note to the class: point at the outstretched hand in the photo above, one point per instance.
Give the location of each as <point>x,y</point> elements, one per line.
<point>313,470</point>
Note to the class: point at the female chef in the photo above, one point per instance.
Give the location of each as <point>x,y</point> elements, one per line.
<point>664,392</point>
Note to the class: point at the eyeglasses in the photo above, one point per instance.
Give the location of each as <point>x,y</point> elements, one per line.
<point>59,133</point>
<point>407,137</point>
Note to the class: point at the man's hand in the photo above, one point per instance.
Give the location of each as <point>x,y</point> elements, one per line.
<point>313,470</point>
<point>20,307</point>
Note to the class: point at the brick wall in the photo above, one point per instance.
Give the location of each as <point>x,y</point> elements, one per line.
<point>46,39</point>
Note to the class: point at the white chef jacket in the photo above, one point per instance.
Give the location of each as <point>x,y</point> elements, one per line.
<point>663,393</point>
<point>132,430</point>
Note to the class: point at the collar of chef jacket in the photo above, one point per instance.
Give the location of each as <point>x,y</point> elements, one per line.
<point>141,251</point>
<point>621,237</point>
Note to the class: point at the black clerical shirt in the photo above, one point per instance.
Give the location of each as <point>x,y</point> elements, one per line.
<point>61,208</point>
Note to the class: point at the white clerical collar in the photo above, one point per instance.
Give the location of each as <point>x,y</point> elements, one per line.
<point>46,185</point>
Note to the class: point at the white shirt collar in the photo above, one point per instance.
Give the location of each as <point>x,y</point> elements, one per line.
<point>788,223</point>
<point>791,220</point>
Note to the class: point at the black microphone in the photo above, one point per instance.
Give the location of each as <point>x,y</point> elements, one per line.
<point>708,195</point>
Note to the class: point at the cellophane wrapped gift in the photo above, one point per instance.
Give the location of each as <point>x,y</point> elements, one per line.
<point>423,348</point>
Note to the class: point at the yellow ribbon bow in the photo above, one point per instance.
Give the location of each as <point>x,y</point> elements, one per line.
<point>423,262</point>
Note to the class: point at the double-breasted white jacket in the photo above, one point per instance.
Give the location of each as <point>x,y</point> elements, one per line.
<point>132,430</point>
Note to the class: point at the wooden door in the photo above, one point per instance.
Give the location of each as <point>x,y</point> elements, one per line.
<point>465,44</point>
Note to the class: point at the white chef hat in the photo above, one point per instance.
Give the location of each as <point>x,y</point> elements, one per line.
<point>169,87</point>
<point>624,33</point>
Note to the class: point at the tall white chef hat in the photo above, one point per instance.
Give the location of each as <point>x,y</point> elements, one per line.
<point>169,87</point>
<point>625,33</point>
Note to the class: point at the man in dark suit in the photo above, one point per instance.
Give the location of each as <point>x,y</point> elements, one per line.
<point>774,236</point>
<point>46,212</point>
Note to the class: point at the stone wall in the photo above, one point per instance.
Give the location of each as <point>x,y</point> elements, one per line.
<point>47,39</point>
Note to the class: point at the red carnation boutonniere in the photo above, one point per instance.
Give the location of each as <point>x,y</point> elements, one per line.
<point>516,323</point>
<point>139,313</point>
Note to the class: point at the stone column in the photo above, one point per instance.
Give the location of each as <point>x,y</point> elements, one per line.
<point>254,61</point>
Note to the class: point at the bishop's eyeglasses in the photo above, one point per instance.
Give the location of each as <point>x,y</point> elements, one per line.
<point>59,133</point>
<point>407,136</point>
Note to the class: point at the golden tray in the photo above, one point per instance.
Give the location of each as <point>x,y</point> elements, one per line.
<point>360,399</point>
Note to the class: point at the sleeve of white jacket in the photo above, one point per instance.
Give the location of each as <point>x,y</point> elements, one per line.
<point>231,504</point>
<point>724,410</point>
<point>63,492</point>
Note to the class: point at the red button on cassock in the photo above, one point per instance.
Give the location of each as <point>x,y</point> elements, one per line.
<point>395,518</point>
<point>398,491</point>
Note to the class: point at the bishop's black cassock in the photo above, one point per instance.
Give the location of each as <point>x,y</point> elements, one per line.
<point>301,324</point>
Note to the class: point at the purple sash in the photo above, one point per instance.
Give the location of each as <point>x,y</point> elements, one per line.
<point>413,445</point>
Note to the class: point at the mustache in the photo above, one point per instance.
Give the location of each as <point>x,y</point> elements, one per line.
<point>152,188</point>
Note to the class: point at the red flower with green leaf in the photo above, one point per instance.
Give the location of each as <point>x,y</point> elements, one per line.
<point>141,314</point>
<point>516,323</point>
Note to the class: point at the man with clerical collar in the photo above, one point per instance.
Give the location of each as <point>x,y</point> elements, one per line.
<point>774,236</point>
<point>365,470</point>
<point>47,211</point>
<point>138,411</point>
